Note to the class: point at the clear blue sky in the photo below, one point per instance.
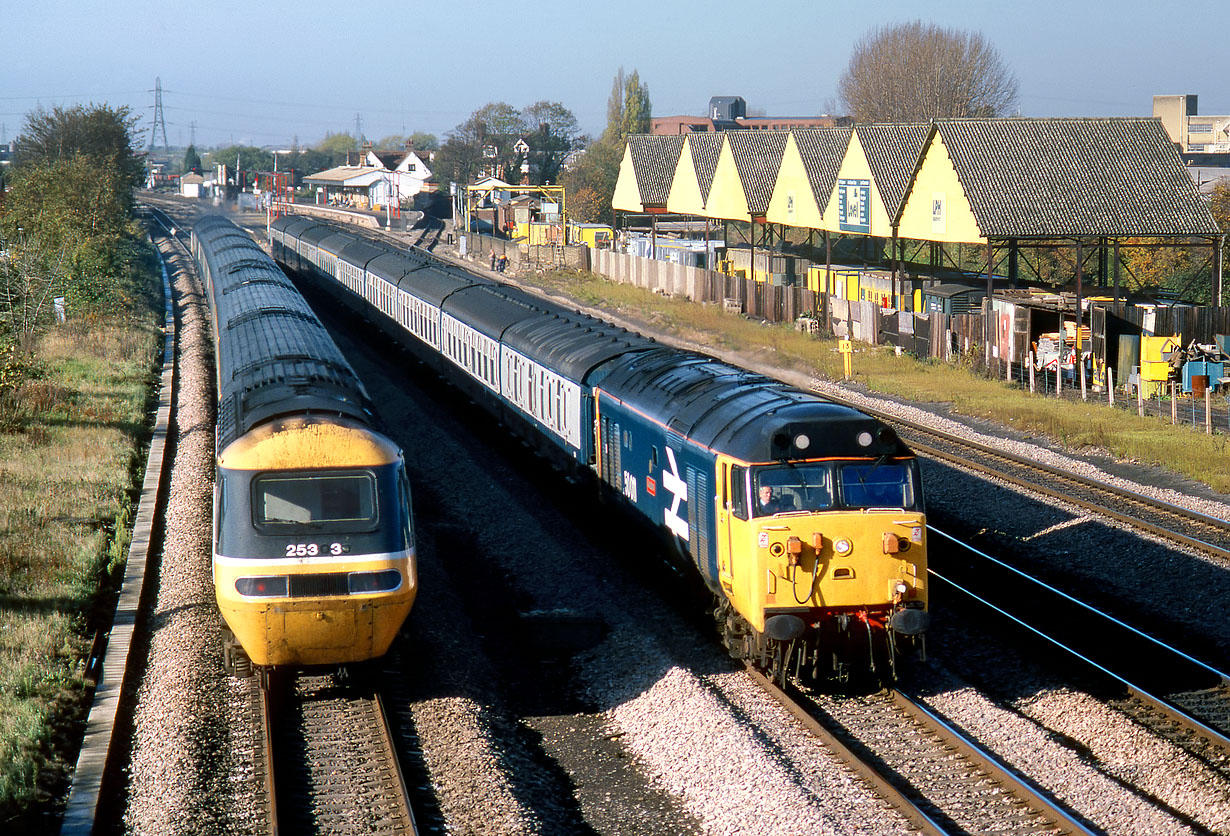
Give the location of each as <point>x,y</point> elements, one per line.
<point>266,74</point>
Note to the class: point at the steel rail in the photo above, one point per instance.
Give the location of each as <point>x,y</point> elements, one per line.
<point>1036,799</point>
<point>1034,796</point>
<point>1160,703</point>
<point>1099,507</point>
<point>266,729</point>
<point>393,758</point>
<point>880,784</point>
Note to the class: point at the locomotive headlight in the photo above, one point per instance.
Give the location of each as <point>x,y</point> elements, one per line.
<point>266,586</point>
<point>901,588</point>
<point>843,547</point>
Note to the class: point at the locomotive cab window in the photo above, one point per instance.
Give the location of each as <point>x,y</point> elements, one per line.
<point>781,490</point>
<point>879,485</point>
<point>286,503</point>
<point>738,491</point>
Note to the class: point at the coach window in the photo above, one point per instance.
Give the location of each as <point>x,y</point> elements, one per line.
<point>738,491</point>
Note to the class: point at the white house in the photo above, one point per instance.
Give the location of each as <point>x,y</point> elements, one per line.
<point>377,179</point>
<point>409,170</point>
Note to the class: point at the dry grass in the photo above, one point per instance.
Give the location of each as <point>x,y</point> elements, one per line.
<point>1077,426</point>
<point>68,458</point>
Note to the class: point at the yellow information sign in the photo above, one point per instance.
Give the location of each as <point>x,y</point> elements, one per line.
<point>846,347</point>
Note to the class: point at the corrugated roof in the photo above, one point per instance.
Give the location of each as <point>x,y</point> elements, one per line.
<point>653,161</point>
<point>893,150</point>
<point>757,156</point>
<point>822,150</point>
<point>1089,177</point>
<point>705,149</point>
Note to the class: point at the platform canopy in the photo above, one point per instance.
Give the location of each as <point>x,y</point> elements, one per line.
<point>1051,179</point>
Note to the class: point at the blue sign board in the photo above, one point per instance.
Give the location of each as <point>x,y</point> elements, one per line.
<point>854,206</point>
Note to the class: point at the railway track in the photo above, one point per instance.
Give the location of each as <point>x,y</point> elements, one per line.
<point>1179,698</point>
<point>1207,535</point>
<point>942,782</point>
<point>330,765</point>
<point>935,777</point>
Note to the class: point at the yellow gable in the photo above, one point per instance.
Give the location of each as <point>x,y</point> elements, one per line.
<point>627,197</point>
<point>855,206</point>
<point>727,198</point>
<point>936,208</point>
<point>793,202</point>
<point>685,197</point>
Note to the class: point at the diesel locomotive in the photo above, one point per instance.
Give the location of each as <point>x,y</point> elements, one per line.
<point>313,545</point>
<point>803,517</point>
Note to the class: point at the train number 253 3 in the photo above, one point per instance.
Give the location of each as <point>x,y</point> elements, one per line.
<point>311,549</point>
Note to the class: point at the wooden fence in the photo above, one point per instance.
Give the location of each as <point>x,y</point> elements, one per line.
<point>861,321</point>
<point>935,335</point>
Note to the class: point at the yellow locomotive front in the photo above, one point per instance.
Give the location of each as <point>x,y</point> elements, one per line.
<point>825,564</point>
<point>314,553</point>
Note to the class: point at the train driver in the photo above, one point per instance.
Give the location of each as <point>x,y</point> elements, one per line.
<point>766,503</point>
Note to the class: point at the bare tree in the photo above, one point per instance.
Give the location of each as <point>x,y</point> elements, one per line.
<point>914,72</point>
<point>29,280</point>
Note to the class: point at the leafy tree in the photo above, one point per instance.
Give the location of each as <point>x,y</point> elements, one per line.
<point>423,141</point>
<point>585,206</point>
<point>1220,204</point>
<point>243,157</point>
<point>62,202</point>
<point>390,142</point>
<point>457,161</point>
<point>596,172</point>
<point>192,160</point>
<point>628,111</point>
<point>1157,267</point>
<point>72,232</point>
<point>309,160</point>
<point>102,135</point>
<point>67,219</point>
<point>637,112</point>
<point>913,72</point>
<point>495,126</point>
<point>337,146</point>
<point>554,134</point>
<point>29,280</point>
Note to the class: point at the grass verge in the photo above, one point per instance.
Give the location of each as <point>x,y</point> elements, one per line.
<point>1076,425</point>
<point>72,447</point>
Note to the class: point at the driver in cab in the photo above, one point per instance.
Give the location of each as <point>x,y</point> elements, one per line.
<point>767,504</point>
